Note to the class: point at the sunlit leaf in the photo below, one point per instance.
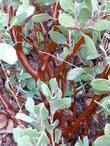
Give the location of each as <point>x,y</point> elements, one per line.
<point>66,20</point>
<point>24,117</point>
<point>8,53</point>
<point>29,105</point>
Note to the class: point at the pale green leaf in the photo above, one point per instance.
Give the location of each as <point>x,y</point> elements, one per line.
<point>45,90</point>
<point>84,15</point>
<point>66,4</point>
<point>8,53</point>
<point>25,9</point>
<point>39,18</point>
<point>74,73</point>
<point>102,141</point>
<point>57,37</point>
<point>29,105</point>
<point>24,117</point>
<point>53,85</point>
<point>94,5</point>
<point>88,4</point>
<point>66,20</point>
<point>58,135</point>
<point>101,25</point>
<point>24,141</point>
<point>60,104</point>
<point>43,140</point>
<point>101,85</point>
<point>107,130</point>
<point>19,19</point>
<point>104,108</point>
<point>92,51</point>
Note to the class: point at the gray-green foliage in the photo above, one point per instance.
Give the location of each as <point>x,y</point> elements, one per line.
<point>73,17</point>
<point>38,117</point>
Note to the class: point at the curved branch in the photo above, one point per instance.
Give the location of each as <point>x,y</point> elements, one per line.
<point>29,68</point>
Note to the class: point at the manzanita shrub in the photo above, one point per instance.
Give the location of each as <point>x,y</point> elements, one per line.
<point>54,53</point>
<point>43,128</point>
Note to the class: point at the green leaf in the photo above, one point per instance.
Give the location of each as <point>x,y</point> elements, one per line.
<point>19,19</point>
<point>94,5</point>
<point>101,85</point>
<point>92,51</point>
<point>102,141</point>
<point>105,101</point>
<point>66,4</point>
<point>107,6</point>
<point>29,105</point>
<point>107,130</point>
<point>88,4</point>
<point>17,132</point>
<point>104,108</point>
<point>8,53</point>
<point>60,104</point>
<point>66,20</point>
<point>43,140</point>
<point>4,19</point>
<point>58,94</point>
<point>51,127</point>
<point>85,142</point>
<point>101,25</point>
<point>53,85</point>
<point>29,10</point>
<point>20,132</point>
<point>84,15</point>
<point>74,73</point>
<point>43,111</point>
<point>45,90</point>
<point>39,18</point>
<point>24,140</point>
<point>57,37</point>
<point>24,117</point>
<point>58,135</point>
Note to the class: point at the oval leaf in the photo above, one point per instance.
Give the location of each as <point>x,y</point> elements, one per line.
<point>24,117</point>
<point>66,20</point>
<point>107,130</point>
<point>28,9</point>
<point>101,25</point>
<point>74,73</point>
<point>101,85</point>
<point>57,37</point>
<point>8,53</point>
<point>60,104</point>
<point>88,4</point>
<point>19,19</point>
<point>84,15</point>
<point>102,141</point>
<point>66,4</point>
<point>39,18</point>
<point>29,105</point>
<point>92,51</point>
